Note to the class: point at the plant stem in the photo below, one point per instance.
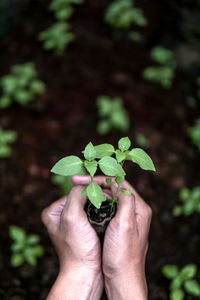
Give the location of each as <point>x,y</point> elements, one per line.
<point>115,197</point>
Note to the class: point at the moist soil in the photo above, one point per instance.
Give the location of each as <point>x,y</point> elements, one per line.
<point>64,120</point>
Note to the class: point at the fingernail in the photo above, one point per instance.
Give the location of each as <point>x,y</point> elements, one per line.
<point>83,179</point>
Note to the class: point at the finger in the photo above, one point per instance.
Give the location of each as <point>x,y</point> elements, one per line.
<point>75,202</point>
<point>143,211</point>
<point>125,208</point>
<point>51,215</point>
<point>100,180</point>
<point>139,202</point>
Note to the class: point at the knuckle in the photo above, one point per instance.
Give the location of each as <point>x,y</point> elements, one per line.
<point>124,226</point>
<point>67,218</point>
<point>127,226</point>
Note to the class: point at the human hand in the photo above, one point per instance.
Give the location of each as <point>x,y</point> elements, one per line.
<point>125,244</point>
<point>77,246</point>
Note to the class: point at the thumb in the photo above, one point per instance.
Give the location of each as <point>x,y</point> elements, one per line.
<point>125,207</point>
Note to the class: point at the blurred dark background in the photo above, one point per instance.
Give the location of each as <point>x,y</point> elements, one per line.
<point>101,60</point>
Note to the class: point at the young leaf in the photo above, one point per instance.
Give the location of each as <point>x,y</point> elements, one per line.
<point>95,194</point>
<point>39,251</point>
<point>17,260</point>
<point>91,166</point>
<point>110,167</point>
<point>124,144</point>
<point>89,152</point>
<point>177,294</point>
<point>127,192</point>
<point>17,246</point>
<point>68,166</point>
<point>17,234</point>
<point>192,287</point>
<point>30,257</point>
<point>32,239</point>
<point>176,283</point>
<point>188,271</point>
<point>119,179</point>
<point>120,156</point>
<point>104,150</point>
<point>141,158</point>
<point>170,271</point>
<point>109,181</point>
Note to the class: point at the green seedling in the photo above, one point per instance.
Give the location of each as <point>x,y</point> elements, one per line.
<point>101,156</point>
<point>182,281</point>
<point>194,133</point>
<point>190,202</point>
<point>164,72</point>
<point>113,115</point>
<point>25,248</point>
<point>57,37</point>
<point>21,85</point>
<point>63,9</point>
<point>122,14</point>
<point>7,137</point>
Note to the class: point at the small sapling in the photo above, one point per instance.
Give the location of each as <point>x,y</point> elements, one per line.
<point>101,156</point>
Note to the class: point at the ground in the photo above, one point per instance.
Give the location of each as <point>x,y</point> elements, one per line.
<point>63,121</point>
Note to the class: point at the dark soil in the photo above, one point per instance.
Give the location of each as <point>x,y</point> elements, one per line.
<point>64,120</point>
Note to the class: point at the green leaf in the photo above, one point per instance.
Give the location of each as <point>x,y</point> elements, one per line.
<point>31,254</point>
<point>91,166</point>
<point>188,271</point>
<point>177,294</point>
<point>17,246</point>
<point>30,259</point>
<point>170,271</point>
<point>17,234</point>
<point>127,192</point>
<point>89,152</point>
<point>32,239</point>
<point>120,156</point>
<point>17,260</point>
<point>176,283</point>
<point>104,150</point>
<point>38,251</point>
<point>184,194</point>
<point>141,158</point>
<point>109,181</point>
<point>192,287</point>
<point>119,179</point>
<point>95,194</point>
<point>68,166</point>
<point>110,167</point>
<point>124,144</point>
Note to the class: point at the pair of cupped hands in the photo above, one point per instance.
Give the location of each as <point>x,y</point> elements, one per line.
<point>86,267</point>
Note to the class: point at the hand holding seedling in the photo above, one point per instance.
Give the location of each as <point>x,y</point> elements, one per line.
<point>82,264</point>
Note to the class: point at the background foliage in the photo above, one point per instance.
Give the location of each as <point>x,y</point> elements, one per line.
<point>97,71</point>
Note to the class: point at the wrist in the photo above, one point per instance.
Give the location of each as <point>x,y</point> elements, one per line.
<point>77,284</point>
<point>127,284</point>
